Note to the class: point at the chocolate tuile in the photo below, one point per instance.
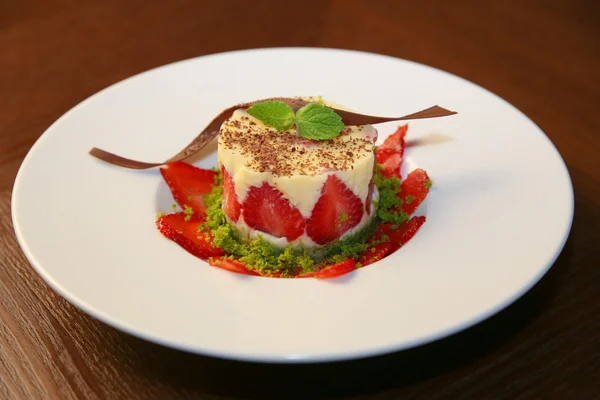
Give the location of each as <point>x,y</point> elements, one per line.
<point>212,130</point>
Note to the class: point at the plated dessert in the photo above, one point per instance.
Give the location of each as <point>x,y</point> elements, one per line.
<point>287,201</point>
<point>141,282</point>
<point>300,190</point>
<point>295,190</point>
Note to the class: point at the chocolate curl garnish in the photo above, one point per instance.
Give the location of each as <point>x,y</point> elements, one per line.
<point>212,130</point>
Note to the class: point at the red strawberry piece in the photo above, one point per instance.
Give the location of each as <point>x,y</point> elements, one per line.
<point>395,141</point>
<point>189,184</point>
<point>375,253</point>
<point>265,209</point>
<point>369,197</point>
<point>389,154</point>
<point>413,190</point>
<point>231,205</point>
<point>185,233</point>
<point>399,236</point>
<point>232,265</point>
<point>390,162</point>
<point>337,210</point>
<point>332,271</point>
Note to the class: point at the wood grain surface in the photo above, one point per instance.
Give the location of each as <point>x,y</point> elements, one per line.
<point>542,56</point>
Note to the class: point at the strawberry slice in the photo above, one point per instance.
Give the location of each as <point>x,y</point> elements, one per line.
<point>389,154</point>
<point>337,210</point>
<point>265,209</point>
<point>369,197</point>
<point>399,236</point>
<point>185,233</point>
<point>395,141</point>
<point>375,253</point>
<point>332,271</point>
<point>390,162</point>
<point>231,205</point>
<point>189,184</point>
<point>413,190</point>
<point>232,265</point>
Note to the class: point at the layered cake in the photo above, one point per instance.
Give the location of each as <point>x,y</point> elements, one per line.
<point>293,190</point>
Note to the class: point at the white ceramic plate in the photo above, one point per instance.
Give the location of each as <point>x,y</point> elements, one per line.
<point>497,217</point>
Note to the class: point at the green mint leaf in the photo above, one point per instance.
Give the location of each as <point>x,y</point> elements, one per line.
<point>315,121</point>
<point>274,113</point>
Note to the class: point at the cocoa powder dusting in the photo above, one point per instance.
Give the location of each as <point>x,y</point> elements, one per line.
<point>286,153</point>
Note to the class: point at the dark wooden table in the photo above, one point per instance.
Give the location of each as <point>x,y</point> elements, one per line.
<point>542,56</point>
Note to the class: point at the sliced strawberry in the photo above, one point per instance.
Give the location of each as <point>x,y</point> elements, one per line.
<point>413,190</point>
<point>390,162</point>
<point>337,210</point>
<point>389,155</point>
<point>332,271</point>
<point>189,184</point>
<point>231,205</point>
<point>232,265</point>
<point>185,233</point>
<point>395,141</point>
<point>265,209</point>
<point>369,197</point>
<point>396,238</point>
<point>375,253</point>
<point>402,234</point>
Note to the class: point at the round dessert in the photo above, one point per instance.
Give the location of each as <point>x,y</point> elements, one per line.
<point>293,190</point>
<point>300,194</point>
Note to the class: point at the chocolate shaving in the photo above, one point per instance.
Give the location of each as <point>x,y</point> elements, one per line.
<point>212,130</point>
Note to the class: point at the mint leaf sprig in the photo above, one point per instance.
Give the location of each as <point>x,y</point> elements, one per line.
<point>274,113</point>
<point>313,121</point>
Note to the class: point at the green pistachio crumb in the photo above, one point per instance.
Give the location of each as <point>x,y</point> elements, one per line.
<point>351,246</point>
<point>343,216</point>
<point>188,211</point>
<point>388,207</point>
<point>261,256</point>
<point>305,261</point>
<point>218,179</point>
